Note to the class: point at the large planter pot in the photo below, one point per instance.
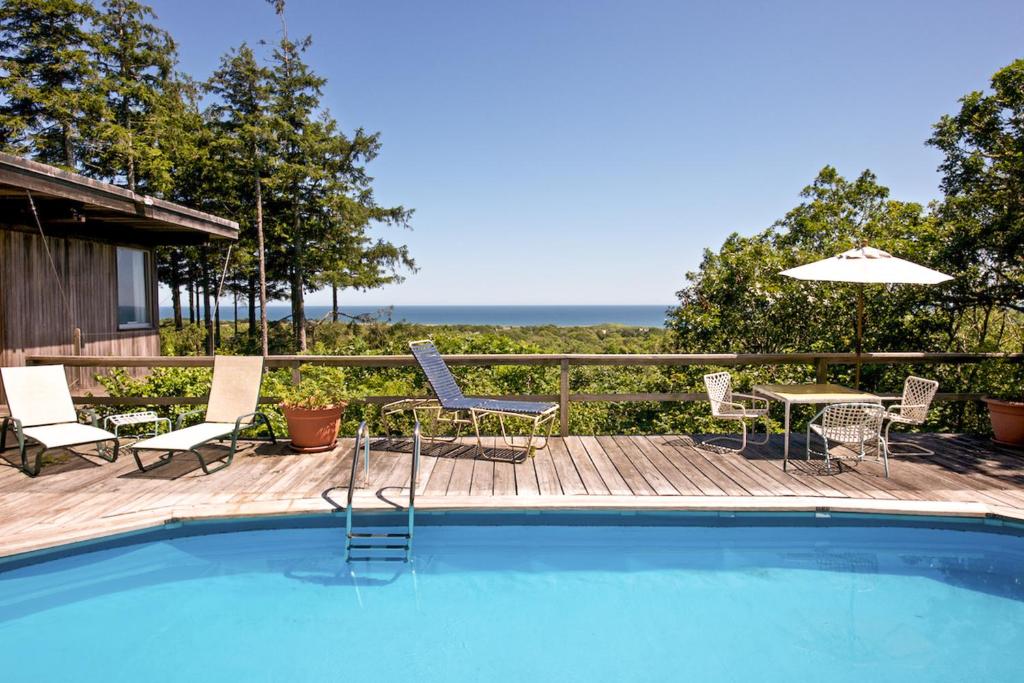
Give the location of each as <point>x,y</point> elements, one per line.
<point>313,431</point>
<point>1007,421</point>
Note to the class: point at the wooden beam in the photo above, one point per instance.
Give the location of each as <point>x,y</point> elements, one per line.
<point>552,360</point>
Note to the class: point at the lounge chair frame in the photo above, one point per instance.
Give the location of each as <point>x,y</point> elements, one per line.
<point>539,421</point>
<point>237,389</point>
<point>449,405</point>
<point>23,443</point>
<point>39,398</point>
<point>427,411</point>
<point>203,463</point>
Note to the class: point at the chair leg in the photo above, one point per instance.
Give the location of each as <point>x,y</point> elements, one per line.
<point>767,436</point>
<point>101,451</point>
<point>476,428</point>
<point>914,448</point>
<point>270,428</point>
<point>3,434</point>
<point>210,470</point>
<point>729,438</point>
<point>33,471</point>
<point>164,460</point>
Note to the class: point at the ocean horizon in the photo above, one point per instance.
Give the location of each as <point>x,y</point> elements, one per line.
<point>647,315</point>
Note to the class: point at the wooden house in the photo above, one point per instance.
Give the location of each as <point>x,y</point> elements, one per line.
<point>77,269</point>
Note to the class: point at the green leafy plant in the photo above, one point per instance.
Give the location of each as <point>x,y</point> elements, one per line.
<point>320,388</point>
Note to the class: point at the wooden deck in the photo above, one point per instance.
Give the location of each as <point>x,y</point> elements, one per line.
<point>77,497</point>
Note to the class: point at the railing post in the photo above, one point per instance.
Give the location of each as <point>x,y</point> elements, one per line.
<point>296,373</point>
<point>563,398</point>
<point>821,371</point>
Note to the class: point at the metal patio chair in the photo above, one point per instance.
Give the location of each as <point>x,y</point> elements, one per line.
<point>854,425</point>
<point>725,407</point>
<point>231,408</point>
<point>450,399</point>
<point>42,411</point>
<point>912,410</point>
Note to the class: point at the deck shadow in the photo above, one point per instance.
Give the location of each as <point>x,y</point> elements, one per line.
<point>57,461</point>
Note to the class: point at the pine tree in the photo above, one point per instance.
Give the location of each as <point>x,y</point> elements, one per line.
<point>323,192</point>
<point>136,63</point>
<point>47,78</point>
<point>295,97</point>
<point>245,142</point>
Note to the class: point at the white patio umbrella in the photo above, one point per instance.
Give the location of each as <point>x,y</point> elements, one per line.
<point>866,265</point>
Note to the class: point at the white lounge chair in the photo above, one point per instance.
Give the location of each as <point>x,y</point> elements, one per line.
<point>42,410</point>
<point>724,407</point>
<point>231,407</point>
<point>912,409</point>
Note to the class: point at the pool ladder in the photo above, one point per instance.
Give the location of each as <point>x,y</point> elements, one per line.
<point>367,546</point>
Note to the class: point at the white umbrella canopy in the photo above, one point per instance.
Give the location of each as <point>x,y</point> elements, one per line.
<point>866,265</point>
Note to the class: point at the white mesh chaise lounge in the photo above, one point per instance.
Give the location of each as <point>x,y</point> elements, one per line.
<point>912,410</point>
<point>451,399</point>
<point>231,407</point>
<point>724,406</point>
<point>41,410</point>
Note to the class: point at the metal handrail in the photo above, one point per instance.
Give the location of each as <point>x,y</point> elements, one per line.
<point>362,436</point>
<point>412,483</point>
<point>363,439</point>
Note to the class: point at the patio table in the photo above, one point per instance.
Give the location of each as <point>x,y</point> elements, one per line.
<point>790,394</point>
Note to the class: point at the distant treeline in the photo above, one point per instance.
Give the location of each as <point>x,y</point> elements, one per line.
<point>585,418</point>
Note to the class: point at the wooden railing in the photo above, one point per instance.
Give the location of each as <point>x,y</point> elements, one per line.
<point>564,361</point>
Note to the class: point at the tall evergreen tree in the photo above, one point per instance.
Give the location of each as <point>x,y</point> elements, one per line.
<point>136,62</point>
<point>295,97</point>
<point>47,78</point>
<point>245,143</point>
<point>324,193</point>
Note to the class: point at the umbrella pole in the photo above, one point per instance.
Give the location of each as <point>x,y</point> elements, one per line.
<point>860,332</point>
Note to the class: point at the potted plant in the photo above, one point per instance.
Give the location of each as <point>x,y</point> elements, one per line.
<point>313,409</point>
<point>1007,421</point>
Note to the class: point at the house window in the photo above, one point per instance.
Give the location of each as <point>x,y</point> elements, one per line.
<point>133,289</point>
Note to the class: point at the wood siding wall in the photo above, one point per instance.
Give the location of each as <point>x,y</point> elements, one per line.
<point>34,318</point>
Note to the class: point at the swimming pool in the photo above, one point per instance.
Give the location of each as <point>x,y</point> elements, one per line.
<point>550,597</point>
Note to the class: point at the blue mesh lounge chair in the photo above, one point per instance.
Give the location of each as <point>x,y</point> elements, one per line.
<point>451,399</point>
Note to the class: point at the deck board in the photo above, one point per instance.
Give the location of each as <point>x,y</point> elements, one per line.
<point>78,496</point>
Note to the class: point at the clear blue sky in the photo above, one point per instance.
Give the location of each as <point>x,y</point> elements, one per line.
<point>588,151</point>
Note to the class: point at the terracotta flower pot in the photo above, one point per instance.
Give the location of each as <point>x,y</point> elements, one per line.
<point>313,431</point>
<point>1007,421</point>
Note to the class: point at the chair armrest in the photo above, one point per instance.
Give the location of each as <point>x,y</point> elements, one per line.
<point>732,404</point>
<point>752,398</point>
<point>238,422</point>
<point>181,418</point>
<point>897,408</point>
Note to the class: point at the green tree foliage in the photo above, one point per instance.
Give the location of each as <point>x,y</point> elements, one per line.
<point>245,143</point>
<point>738,302</point>
<point>92,86</point>
<point>136,62</point>
<point>47,78</point>
<point>983,180</point>
<point>323,198</point>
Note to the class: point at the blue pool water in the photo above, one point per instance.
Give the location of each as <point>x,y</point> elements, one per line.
<point>766,601</point>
